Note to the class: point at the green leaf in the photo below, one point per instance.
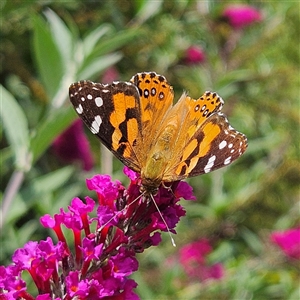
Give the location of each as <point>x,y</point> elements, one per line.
<point>47,56</point>
<point>148,9</point>
<point>48,183</point>
<point>234,77</point>
<point>93,37</point>
<point>55,124</point>
<point>98,65</point>
<point>61,35</point>
<point>116,41</point>
<point>16,129</point>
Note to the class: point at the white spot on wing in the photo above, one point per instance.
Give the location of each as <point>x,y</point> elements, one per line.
<point>89,96</point>
<point>222,145</point>
<point>79,109</point>
<point>99,101</point>
<point>210,164</point>
<point>227,160</point>
<point>96,125</point>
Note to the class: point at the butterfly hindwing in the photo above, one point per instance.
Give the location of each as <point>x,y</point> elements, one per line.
<point>112,112</point>
<point>156,99</point>
<point>216,144</point>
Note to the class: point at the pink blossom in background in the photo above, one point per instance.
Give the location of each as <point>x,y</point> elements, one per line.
<point>193,258</point>
<point>111,74</point>
<point>72,145</point>
<point>194,55</point>
<point>288,241</point>
<point>240,16</point>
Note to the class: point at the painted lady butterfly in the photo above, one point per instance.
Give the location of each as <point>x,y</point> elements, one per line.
<point>138,123</point>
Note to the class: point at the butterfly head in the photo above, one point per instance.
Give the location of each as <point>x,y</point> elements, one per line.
<point>149,186</point>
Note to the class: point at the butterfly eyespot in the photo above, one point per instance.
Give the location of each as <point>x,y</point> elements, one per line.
<point>205,113</point>
<point>196,107</point>
<point>203,107</point>
<point>153,91</point>
<point>146,93</point>
<point>89,97</point>
<point>161,96</point>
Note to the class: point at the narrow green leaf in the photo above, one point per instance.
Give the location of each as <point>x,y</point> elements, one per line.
<point>116,41</point>
<point>234,77</point>
<point>50,182</point>
<point>93,37</point>
<point>148,9</point>
<point>51,127</point>
<point>61,35</point>
<point>98,65</point>
<point>47,56</point>
<point>16,128</point>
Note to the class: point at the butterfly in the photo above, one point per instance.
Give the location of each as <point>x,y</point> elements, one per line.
<point>139,124</point>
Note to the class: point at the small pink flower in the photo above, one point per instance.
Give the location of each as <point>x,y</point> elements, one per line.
<point>72,145</point>
<point>193,257</point>
<point>111,74</point>
<point>288,241</point>
<point>240,16</point>
<point>194,55</point>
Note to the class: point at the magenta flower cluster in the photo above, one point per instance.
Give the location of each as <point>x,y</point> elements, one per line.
<point>105,245</point>
<point>289,241</point>
<point>73,146</point>
<point>241,15</point>
<point>194,259</point>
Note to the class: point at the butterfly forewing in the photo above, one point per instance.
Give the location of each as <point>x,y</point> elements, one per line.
<point>112,113</point>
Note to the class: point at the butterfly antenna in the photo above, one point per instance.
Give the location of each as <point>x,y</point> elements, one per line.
<point>136,199</point>
<point>163,219</point>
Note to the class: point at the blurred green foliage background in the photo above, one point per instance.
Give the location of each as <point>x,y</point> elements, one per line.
<point>47,45</point>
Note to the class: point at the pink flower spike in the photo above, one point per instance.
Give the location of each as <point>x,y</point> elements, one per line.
<point>106,189</point>
<point>72,145</point>
<point>194,55</point>
<point>288,241</point>
<point>240,15</point>
<point>193,257</point>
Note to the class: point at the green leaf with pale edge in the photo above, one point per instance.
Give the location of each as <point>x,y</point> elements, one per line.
<point>148,9</point>
<point>48,130</point>
<point>16,128</point>
<point>93,37</point>
<point>47,56</point>
<point>61,36</point>
<point>115,41</point>
<point>99,64</point>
